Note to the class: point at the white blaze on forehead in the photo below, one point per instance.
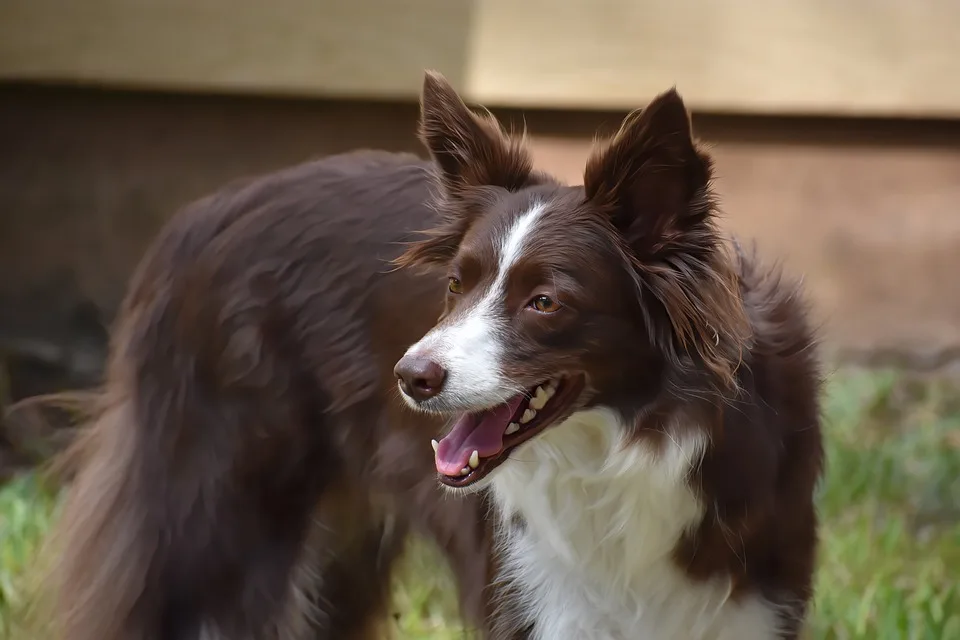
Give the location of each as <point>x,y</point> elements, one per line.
<point>512,243</point>
<point>470,347</point>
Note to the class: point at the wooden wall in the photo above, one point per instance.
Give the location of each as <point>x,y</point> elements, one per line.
<point>855,57</point>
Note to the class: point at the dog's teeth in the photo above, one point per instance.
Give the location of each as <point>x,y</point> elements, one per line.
<point>528,415</point>
<point>474,459</point>
<point>551,389</point>
<point>539,399</point>
<point>464,471</point>
<point>435,444</point>
<point>512,428</point>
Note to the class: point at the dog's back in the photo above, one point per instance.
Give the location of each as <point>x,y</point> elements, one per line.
<point>245,424</point>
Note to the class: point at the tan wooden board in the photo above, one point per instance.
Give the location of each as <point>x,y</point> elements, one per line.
<point>879,57</point>
<point>363,48</point>
<point>891,57</point>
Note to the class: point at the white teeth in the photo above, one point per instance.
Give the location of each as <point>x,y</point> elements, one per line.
<point>528,415</point>
<point>512,428</point>
<point>464,471</point>
<point>551,389</point>
<point>539,399</point>
<point>474,459</point>
<point>435,444</point>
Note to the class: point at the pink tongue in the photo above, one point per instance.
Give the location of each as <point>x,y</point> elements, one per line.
<point>480,432</point>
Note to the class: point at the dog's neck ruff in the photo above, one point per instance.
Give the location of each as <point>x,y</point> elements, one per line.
<point>600,519</point>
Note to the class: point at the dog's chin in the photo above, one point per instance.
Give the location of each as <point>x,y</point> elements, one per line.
<point>481,440</point>
<point>475,487</point>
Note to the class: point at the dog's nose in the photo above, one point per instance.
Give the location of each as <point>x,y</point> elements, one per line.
<point>420,378</point>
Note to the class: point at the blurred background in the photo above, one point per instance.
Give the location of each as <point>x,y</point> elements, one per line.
<point>836,132</point>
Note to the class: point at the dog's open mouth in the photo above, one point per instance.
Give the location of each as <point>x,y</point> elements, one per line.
<point>479,442</point>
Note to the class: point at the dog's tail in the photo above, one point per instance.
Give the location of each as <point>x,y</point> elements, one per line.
<point>39,433</point>
<point>96,559</point>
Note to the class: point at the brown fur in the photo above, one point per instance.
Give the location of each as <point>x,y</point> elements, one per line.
<point>667,225</point>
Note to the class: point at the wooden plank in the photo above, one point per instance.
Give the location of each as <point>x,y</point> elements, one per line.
<point>877,57</point>
<point>855,57</point>
<point>358,48</point>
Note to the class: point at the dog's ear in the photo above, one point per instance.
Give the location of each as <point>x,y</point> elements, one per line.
<point>471,152</point>
<point>468,148</point>
<point>653,182</point>
<point>651,179</point>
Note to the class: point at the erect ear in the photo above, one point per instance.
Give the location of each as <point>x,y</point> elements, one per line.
<point>469,149</point>
<point>650,178</point>
<point>654,184</point>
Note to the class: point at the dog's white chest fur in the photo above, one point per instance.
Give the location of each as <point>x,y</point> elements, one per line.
<point>593,561</point>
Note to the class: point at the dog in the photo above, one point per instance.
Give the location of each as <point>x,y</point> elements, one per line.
<point>630,406</point>
<point>640,404</point>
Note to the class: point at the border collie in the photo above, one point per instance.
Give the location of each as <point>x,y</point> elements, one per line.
<point>641,406</point>
<point>636,405</point>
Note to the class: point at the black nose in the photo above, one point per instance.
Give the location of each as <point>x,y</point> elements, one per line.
<point>420,378</point>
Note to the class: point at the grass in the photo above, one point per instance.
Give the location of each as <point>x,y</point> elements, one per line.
<point>890,505</point>
<point>890,560</point>
<point>26,511</point>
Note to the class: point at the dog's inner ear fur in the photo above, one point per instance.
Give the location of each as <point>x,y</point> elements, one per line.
<point>654,184</point>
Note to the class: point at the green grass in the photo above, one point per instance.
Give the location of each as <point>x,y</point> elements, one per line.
<point>890,555</point>
<point>890,560</point>
<point>26,512</point>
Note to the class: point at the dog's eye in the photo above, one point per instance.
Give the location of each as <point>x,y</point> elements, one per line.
<point>455,286</point>
<point>545,304</point>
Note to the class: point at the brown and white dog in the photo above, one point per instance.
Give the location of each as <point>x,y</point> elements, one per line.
<point>638,406</point>
<point>641,408</point>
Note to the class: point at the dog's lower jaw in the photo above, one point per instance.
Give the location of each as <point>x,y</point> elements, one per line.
<point>477,487</point>
<point>487,482</point>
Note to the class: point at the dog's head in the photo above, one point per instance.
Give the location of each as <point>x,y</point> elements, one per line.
<point>564,298</point>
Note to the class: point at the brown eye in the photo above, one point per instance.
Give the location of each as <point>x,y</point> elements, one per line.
<point>455,286</point>
<point>545,304</point>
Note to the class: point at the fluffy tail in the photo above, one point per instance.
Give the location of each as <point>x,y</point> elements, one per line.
<point>103,542</point>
